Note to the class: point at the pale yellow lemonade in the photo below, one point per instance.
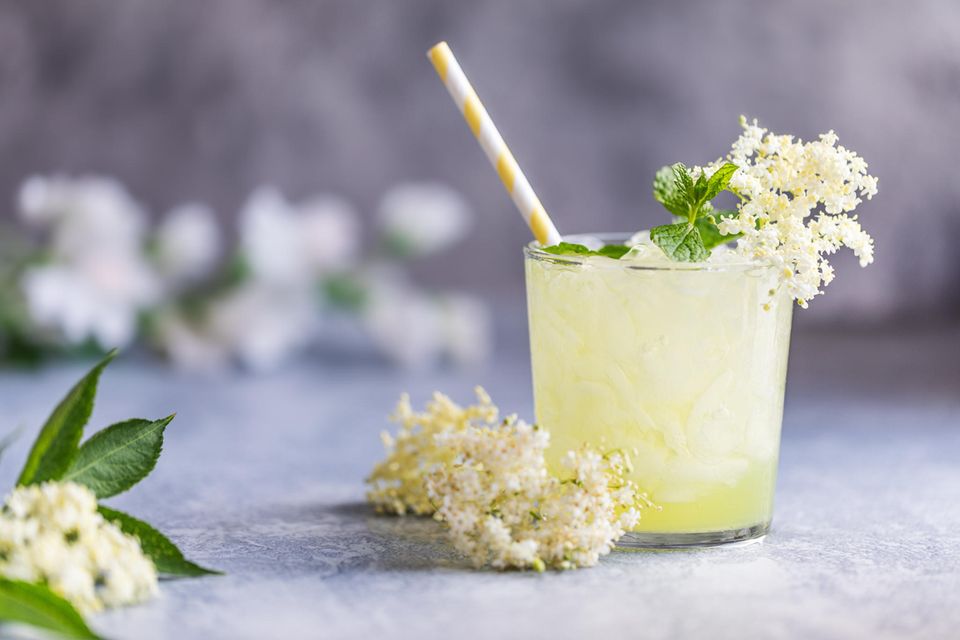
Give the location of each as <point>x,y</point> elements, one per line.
<point>682,365</point>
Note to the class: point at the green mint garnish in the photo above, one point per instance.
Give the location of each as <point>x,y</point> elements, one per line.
<point>692,239</point>
<point>680,241</point>
<point>615,251</point>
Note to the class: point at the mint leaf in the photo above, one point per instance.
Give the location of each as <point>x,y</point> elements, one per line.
<point>38,606</point>
<point>664,185</point>
<point>615,251</point>
<point>684,181</point>
<point>719,180</point>
<point>710,234</point>
<point>56,446</point>
<point>681,242</point>
<point>120,456</point>
<point>166,556</point>
<point>568,248</point>
<point>700,189</point>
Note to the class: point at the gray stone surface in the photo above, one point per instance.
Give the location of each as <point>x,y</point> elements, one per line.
<point>262,477</point>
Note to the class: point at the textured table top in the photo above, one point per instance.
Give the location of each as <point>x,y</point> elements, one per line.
<point>262,478</point>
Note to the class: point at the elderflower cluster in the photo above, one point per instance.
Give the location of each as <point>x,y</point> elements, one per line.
<point>489,483</point>
<point>52,533</point>
<point>397,482</point>
<point>796,199</point>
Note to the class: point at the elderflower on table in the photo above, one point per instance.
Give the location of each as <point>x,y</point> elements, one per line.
<point>489,483</point>
<point>795,202</point>
<point>53,533</point>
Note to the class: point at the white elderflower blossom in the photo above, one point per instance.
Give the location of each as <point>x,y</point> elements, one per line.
<point>397,482</point>
<point>52,533</point>
<point>417,329</point>
<point>188,243</point>
<point>262,325</point>
<point>488,481</point>
<point>796,198</point>
<point>97,280</point>
<point>424,217</point>
<point>291,244</point>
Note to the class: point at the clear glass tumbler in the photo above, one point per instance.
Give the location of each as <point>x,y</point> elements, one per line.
<point>681,365</point>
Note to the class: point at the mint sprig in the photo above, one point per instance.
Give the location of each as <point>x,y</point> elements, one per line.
<point>691,239</point>
<point>615,251</point>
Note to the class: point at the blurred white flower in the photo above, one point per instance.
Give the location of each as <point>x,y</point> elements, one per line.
<point>96,298</point>
<point>188,243</point>
<point>424,217</point>
<point>292,244</point>
<point>97,280</point>
<point>467,329</point>
<point>405,325</point>
<point>263,325</point>
<point>416,330</point>
<point>84,215</point>
<point>189,345</point>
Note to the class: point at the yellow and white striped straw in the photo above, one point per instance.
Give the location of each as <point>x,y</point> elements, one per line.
<point>493,145</point>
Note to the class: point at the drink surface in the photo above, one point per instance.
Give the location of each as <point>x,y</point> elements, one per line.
<point>680,365</point>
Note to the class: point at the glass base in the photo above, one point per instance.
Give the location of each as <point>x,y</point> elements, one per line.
<point>652,540</point>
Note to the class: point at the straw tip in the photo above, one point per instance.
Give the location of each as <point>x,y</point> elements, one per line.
<point>441,46</point>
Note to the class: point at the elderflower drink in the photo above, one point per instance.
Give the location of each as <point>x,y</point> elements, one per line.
<point>680,364</point>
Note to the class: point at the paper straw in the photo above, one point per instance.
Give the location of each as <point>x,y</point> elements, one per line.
<point>493,145</point>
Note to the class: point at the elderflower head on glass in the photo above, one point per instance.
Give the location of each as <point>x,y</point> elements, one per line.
<point>795,204</point>
<point>487,480</point>
<point>53,533</point>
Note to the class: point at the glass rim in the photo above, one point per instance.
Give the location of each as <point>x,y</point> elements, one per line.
<point>534,251</point>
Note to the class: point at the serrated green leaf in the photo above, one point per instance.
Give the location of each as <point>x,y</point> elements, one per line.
<point>719,180</point>
<point>700,188</point>
<point>113,460</point>
<point>684,181</point>
<point>681,242</point>
<point>664,184</point>
<point>36,605</point>
<point>567,248</point>
<point>710,234</point>
<point>56,446</point>
<point>615,251</point>
<point>166,556</point>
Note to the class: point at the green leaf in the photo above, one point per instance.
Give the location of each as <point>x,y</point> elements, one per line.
<point>56,446</point>
<point>568,248</point>
<point>684,181</point>
<point>700,189</point>
<point>664,185</point>
<point>719,180</point>
<point>681,242</point>
<point>346,291</point>
<point>36,605</point>
<point>673,187</point>
<point>615,251</point>
<point>710,234</point>
<point>120,456</point>
<point>166,556</point>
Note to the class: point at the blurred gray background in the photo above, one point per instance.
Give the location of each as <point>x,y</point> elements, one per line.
<point>187,100</point>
